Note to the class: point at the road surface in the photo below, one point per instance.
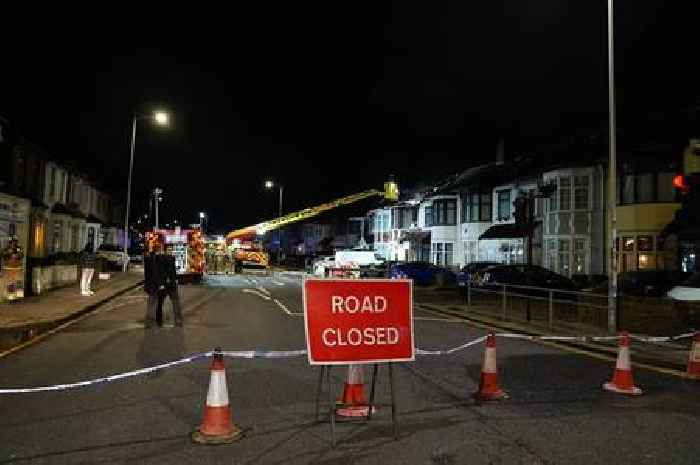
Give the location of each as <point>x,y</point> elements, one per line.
<point>557,412</point>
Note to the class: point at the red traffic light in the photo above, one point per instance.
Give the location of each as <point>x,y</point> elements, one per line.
<point>679,182</point>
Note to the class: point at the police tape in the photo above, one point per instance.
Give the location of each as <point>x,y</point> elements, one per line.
<point>250,354</point>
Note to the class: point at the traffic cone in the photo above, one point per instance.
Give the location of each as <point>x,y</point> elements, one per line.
<point>488,383</point>
<point>694,358</point>
<point>353,403</point>
<point>216,427</point>
<point>622,381</point>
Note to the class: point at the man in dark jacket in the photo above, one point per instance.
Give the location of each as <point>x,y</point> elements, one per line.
<point>168,288</point>
<point>160,281</point>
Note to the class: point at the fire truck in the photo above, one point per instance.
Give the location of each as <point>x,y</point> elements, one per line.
<point>186,245</point>
<point>246,243</point>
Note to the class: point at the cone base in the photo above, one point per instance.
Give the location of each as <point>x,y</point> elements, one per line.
<point>202,438</point>
<point>496,395</point>
<point>632,391</point>
<point>355,411</point>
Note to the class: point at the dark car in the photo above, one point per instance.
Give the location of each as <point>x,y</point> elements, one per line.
<point>422,273</point>
<point>649,283</point>
<point>525,275</point>
<point>467,271</point>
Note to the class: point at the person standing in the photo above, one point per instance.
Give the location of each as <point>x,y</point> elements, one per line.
<point>87,262</point>
<point>168,288</point>
<point>152,285</point>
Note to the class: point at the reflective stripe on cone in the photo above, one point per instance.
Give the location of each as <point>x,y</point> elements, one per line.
<point>622,381</point>
<point>489,388</point>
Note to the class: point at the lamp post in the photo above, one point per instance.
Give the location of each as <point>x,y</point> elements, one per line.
<point>269,185</point>
<point>202,215</point>
<point>612,178</point>
<point>157,199</point>
<point>160,118</point>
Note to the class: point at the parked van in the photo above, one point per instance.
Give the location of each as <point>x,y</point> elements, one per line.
<point>361,258</point>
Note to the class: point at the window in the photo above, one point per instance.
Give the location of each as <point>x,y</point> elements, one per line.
<point>581,192</point>
<point>52,185</point>
<point>504,205</point>
<point>564,267</point>
<point>645,261</point>
<point>476,207</point>
<point>628,244</point>
<point>437,253</point>
<point>428,216</point>
<point>564,193</point>
<point>645,188</point>
<point>444,212</point>
<point>485,212</point>
<point>645,243</point>
<point>579,256</point>
<point>665,191</point>
<point>57,236</point>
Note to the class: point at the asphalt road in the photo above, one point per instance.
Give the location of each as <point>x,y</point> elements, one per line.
<point>557,413</point>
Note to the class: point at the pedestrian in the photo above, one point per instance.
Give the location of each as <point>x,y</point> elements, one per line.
<point>168,288</point>
<point>87,263</point>
<point>152,284</point>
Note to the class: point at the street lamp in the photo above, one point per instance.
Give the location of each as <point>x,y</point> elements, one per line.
<point>202,215</point>
<point>612,178</point>
<point>157,199</point>
<point>161,119</point>
<point>269,184</point>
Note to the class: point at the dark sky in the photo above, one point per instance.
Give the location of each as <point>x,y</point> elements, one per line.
<point>329,100</point>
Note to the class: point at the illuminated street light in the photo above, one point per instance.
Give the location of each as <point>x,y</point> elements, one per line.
<point>161,118</point>
<point>269,185</point>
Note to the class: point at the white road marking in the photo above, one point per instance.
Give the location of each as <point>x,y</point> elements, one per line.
<point>279,283</point>
<point>263,290</point>
<point>285,309</point>
<point>258,293</point>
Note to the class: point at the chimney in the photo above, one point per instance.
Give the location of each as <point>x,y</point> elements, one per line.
<point>500,152</point>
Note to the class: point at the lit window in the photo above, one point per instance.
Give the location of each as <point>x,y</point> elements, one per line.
<point>645,261</point>
<point>628,244</point>
<point>645,243</point>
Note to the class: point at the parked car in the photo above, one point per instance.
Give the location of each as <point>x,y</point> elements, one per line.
<point>319,266</point>
<point>526,275</point>
<point>650,283</point>
<point>686,300</point>
<point>467,271</point>
<point>422,273</point>
<point>112,254</point>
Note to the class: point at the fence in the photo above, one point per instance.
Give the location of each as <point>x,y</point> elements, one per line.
<point>554,307</point>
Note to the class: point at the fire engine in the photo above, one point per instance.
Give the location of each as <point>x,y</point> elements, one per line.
<point>246,243</point>
<point>186,245</point>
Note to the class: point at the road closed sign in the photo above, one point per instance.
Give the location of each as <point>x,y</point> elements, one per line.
<point>358,320</point>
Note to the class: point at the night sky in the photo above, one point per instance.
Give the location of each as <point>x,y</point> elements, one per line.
<point>331,100</point>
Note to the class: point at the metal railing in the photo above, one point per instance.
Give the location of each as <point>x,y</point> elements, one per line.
<point>531,303</point>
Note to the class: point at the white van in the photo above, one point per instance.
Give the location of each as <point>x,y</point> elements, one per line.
<point>359,258</point>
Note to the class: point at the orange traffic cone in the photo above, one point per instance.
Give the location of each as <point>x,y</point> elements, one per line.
<point>488,383</point>
<point>694,358</point>
<point>216,427</point>
<point>622,381</point>
<point>354,402</point>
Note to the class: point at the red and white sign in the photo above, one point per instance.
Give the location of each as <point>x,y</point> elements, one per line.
<point>358,320</point>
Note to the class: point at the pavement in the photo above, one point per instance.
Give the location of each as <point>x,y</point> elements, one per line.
<point>20,320</point>
<point>557,412</point>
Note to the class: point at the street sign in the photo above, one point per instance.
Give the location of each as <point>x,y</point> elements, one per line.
<point>358,320</point>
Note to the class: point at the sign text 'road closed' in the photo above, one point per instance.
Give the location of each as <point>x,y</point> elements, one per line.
<point>358,320</point>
